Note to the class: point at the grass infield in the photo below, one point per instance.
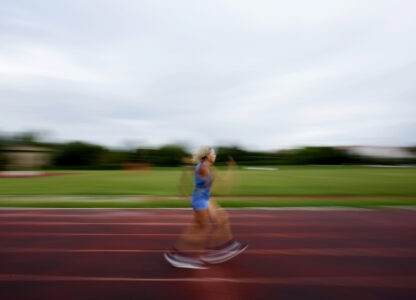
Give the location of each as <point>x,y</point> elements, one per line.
<point>288,186</point>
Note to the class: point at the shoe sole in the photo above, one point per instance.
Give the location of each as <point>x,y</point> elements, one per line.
<point>221,260</point>
<point>185,265</point>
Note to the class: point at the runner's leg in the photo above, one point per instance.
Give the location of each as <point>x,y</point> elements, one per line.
<point>221,233</point>
<point>194,237</point>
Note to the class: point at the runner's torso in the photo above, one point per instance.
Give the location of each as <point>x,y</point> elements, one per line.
<point>202,188</point>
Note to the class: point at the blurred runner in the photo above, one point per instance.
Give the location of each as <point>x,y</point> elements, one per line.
<point>210,229</point>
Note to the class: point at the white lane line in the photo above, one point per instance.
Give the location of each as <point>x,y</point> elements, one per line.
<point>181,210</point>
<point>46,223</point>
<point>17,208</point>
<point>318,223</point>
<point>405,282</point>
<point>65,234</point>
<point>347,252</point>
<point>132,216</point>
<point>343,235</point>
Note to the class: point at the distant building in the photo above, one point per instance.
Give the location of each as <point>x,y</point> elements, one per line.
<point>380,152</point>
<point>26,157</point>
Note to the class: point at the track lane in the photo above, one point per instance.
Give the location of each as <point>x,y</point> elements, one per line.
<point>107,254</point>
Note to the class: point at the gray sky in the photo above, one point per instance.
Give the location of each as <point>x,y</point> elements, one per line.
<point>259,74</point>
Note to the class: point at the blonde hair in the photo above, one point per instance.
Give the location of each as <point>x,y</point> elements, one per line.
<point>200,154</point>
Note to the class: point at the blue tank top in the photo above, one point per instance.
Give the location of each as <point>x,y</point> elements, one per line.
<point>202,188</point>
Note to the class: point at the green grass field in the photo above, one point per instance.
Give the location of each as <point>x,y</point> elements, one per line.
<point>367,186</point>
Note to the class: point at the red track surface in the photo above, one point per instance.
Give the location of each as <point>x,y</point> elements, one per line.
<point>293,254</point>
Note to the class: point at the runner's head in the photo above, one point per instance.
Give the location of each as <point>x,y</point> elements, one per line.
<point>204,153</point>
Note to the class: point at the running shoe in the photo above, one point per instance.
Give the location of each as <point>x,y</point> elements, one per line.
<point>229,251</point>
<point>178,260</point>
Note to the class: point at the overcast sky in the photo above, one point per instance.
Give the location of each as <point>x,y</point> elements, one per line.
<point>259,74</point>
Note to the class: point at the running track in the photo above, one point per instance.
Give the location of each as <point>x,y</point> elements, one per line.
<point>293,254</point>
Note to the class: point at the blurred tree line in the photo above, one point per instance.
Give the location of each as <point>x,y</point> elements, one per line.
<point>81,155</point>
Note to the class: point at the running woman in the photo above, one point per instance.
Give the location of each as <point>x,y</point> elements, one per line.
<point>210,229</point>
